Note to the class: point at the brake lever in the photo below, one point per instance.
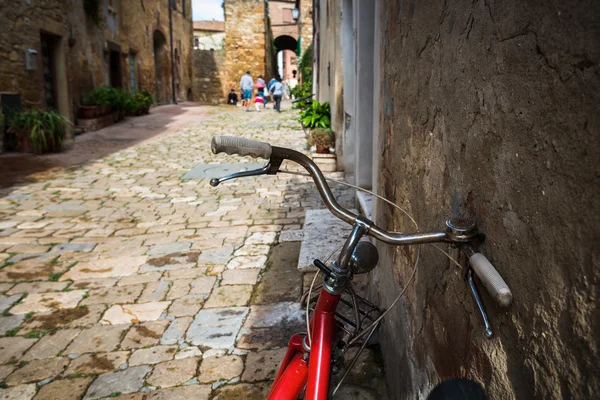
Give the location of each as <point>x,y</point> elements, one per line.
<point>270,169</point>
<point>489,333</point>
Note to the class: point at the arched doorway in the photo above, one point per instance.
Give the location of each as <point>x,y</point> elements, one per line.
<point>287,59</point>
<point>161,68</point>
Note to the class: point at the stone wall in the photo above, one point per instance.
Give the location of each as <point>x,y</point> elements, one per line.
<point>329,70</point>
<point>245,40</point>
<point>490,108</point>
<point>20,29</point>
<point>306,28</point>
<point>83,48</point>
<point>210,77</point>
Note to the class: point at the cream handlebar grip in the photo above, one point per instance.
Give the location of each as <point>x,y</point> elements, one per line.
<point>240,146</point>
<point>491,279</point>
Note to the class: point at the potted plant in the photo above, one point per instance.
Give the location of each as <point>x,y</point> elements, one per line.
<point>89,109</point>
<point>38,131</point>
<point>317,115</point>
<point>132,106</point>
<point>323,139</point>
<point>145,99</point>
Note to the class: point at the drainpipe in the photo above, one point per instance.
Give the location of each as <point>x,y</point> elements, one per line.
<point>172,51</point>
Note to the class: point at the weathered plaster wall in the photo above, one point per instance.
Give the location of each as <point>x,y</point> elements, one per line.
<point>330,69</point>
<point>490,108</point>
<point>210,77</point>
<point>245,40</point>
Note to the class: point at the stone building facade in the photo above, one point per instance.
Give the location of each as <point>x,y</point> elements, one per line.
<point>255,31</point>
<point>209,35</point>
<point>209,77</point>
<point>487,109</point>
<point>246,40</point>
<point>56,53</point>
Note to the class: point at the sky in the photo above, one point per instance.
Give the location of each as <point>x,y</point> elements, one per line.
<point>207,10</point>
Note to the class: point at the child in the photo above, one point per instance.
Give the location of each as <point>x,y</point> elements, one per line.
<point>258,100</point>
<point>260,86</point>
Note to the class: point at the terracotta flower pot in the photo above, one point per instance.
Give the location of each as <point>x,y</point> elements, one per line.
<point>322,149</point>
<point>26,145</point>
<point>89,112</point>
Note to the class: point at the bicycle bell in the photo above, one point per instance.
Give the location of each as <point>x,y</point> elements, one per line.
<point>364,258</point>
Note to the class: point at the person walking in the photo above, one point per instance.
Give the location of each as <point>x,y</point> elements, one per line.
<point>292,83</point>
<point>270,87</point>
<point>277,90</point>
<point>246,85</point>
<point>260,87</point>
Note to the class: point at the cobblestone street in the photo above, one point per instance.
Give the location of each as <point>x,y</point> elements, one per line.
<point>122,279</point>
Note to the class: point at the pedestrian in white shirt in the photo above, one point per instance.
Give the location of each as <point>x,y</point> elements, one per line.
<point>277,90</point>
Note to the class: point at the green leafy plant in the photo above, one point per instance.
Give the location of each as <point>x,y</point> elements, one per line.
<point>305,65</point>
<point>145,98</point>
<point>302,91</point>
<point>92,10</point>
<point>317,115</point>
<point>45,130</point>
<point>322,139</point>
<point>139,103</point>
<point>117,99</point>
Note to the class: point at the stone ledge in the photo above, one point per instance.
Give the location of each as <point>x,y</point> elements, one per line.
<point>323,233</point>
<point>325,162</point>
<point>94,124</point>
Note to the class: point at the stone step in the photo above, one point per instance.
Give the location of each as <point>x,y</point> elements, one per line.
<point>323,233</point>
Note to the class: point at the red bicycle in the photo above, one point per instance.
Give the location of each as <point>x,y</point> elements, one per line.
<point>311,357</point>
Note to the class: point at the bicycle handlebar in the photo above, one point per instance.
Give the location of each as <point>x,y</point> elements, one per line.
<point>254,148</point>
<point>240,146</point>
<point>246,147</point>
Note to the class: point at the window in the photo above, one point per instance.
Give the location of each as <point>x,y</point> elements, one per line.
<point>287,16</point>
<point>132,79</point>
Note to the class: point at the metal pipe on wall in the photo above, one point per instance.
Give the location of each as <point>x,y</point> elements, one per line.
<point>172,51</point>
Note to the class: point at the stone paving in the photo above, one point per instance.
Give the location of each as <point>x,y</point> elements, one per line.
<point>121,279</point>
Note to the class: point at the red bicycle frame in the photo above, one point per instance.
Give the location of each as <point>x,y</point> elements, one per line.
<point>300,368</point>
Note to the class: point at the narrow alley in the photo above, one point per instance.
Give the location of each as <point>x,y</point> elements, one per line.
<point>124,277</point>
